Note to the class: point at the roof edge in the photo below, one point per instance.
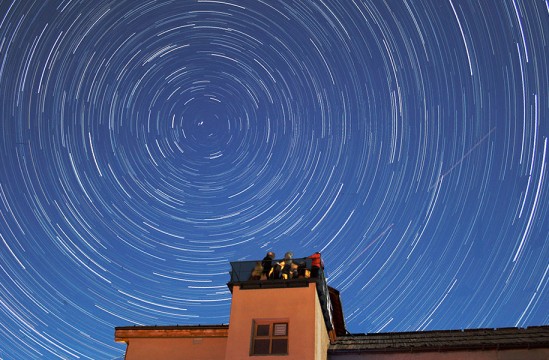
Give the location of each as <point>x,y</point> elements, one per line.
<point>126,333</point>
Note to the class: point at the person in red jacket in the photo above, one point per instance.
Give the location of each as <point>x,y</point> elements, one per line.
<point>316,264</point>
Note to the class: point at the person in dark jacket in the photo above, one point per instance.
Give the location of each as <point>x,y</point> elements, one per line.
<point>267,264</point>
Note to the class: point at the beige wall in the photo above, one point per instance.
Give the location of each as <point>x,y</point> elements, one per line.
<point>532,354</point>
<point>176,348</point>
<point>321,336</point>
<point>299,306</point>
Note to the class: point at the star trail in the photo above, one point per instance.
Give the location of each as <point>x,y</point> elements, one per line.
<point>146,144</point>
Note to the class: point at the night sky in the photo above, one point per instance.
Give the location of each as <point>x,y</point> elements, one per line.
<point>146,144</point>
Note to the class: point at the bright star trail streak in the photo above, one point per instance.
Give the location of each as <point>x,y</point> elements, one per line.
<point>146,144</point>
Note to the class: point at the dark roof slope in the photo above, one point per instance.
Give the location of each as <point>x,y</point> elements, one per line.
<point>474,339</point>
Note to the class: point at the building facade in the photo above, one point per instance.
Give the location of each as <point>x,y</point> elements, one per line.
<point>306,322</point>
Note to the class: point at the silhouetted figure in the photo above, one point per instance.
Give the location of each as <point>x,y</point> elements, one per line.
<point>267,264</point>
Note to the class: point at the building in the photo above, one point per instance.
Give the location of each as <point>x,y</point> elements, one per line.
<point>306,322</point>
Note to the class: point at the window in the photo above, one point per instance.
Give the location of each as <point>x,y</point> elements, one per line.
<point>270,338</point>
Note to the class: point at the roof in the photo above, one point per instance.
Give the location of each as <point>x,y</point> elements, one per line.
<point>443,340</point>
<point>173,327</point>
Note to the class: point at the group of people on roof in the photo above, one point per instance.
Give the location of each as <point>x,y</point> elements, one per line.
<point>287,268</point>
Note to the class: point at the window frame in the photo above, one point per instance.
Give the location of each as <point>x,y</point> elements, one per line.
<point>272,323</point>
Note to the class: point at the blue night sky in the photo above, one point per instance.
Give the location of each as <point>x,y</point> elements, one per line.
<point>146,144</point>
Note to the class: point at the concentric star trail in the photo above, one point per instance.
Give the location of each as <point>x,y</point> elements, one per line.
<point>145,145</point>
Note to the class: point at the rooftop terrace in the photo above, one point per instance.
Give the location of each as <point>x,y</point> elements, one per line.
<point>300,274</point>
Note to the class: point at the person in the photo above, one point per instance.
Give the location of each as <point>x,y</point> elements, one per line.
<point>257,271</point>
<point>286,266</point>
<point>316,264</point>
<point>302,271</point>
<point>267,264</point>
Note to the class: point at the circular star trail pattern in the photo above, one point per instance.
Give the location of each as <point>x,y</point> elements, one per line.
<point>145,145</point>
